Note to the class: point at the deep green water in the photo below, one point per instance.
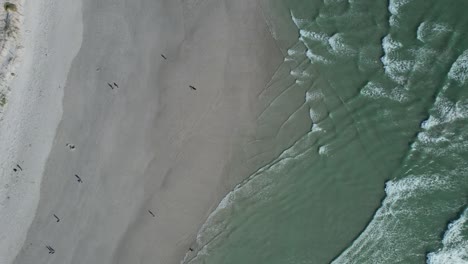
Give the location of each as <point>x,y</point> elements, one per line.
<point>382,176</point>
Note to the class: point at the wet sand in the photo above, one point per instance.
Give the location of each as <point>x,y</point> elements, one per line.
<point>152,143</point>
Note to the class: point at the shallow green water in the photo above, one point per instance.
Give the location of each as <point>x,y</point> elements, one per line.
<point>383,170</point>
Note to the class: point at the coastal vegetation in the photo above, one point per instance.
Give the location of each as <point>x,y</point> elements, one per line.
<point>9,7</point>
<point>3,100</point>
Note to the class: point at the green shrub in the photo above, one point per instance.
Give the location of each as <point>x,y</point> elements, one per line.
<point>9,7</point>
<point>2,100</point>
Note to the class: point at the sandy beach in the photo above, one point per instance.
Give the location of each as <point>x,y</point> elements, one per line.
<point>39,55</point>
<point>111,105</point>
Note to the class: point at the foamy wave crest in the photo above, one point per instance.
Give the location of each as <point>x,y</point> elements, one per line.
<point>376,91</point>
<point>459,69</point>
<point>395,67</point>
<point>322,47</point>
<point>335,44</point>
<point>455,243</point>
<point>428,31</point>
<point>445,113</point>
<point>315,36</point>
<point>382,239</point>
<point>316,58</point>
<point>338,45</point>
<point>394,7</point>
<point>307,35</point>
<point>312,96</point>
<point>300,22</point>
<point>448,112</point>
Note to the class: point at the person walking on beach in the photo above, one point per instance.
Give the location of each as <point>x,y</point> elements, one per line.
<point>51,249</point>
<point>70,146</point>
<point>78,178</point>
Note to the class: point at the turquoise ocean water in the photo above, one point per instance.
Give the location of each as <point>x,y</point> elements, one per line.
<point>381,176</point>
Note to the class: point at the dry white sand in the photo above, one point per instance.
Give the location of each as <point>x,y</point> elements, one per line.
<point>151,143</point>
<point>49,39</point>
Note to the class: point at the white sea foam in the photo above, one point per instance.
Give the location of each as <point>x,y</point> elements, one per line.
<point>323,150</point>
<point>394,7</point>
<point>389,44</point>
<point>455,243</point>
<point>394,67</point>
<point>292,52</point>
<point>316,36</point>
<point>369,243</point>
<point>411,186</point>
<point>300,82</point>
<point>434,136</point>
<point>338,45</point>
<point>306,35</point>
<point>315,115</point>
<point>300,74</point>
<point>423,57</point>
<point>300,22</point>
<point>429,30</point>
<point>314,95</point>
<point>427,138</point>
<point>296,73</point>
<point>373,90</point>
<point>377,91</point>
<point>446,112</point>
<point>314,58</point>
<point>459,70</point>
<point>316,128</point>
<point>297,50</point>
